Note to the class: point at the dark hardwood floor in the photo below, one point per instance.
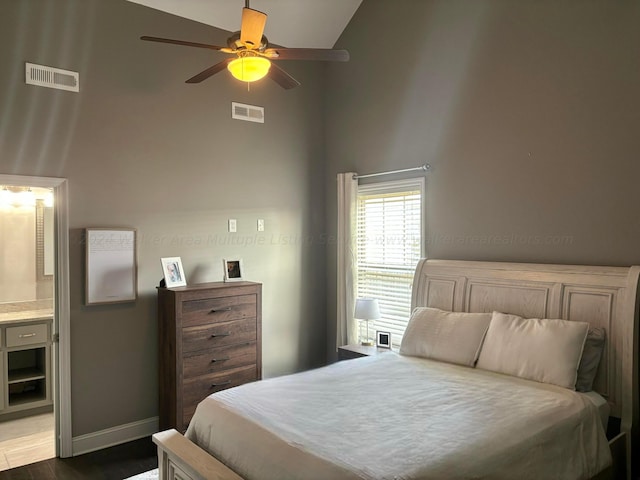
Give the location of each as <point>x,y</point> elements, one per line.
<point>114,463</point>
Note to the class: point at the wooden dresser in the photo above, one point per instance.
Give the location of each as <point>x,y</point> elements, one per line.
<point>210,338</point>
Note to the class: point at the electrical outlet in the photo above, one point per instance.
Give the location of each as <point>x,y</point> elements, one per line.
<point>261,225</point>
<point>233,227</point>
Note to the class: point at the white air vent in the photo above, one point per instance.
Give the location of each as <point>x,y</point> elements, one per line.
<point>52,77</point>
<point>249,113</point>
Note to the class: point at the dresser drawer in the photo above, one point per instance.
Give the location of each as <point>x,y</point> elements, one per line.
<point>198,388</point>
<point>218,359</point>
<point>204,337</point>
<point>223,309</point>
<point>27,335</point>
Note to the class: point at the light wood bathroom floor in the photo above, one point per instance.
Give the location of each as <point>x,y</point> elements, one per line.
<point>26,440</point>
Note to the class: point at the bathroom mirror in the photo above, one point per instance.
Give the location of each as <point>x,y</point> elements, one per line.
<point>48,241</point>
<point>44,241</point>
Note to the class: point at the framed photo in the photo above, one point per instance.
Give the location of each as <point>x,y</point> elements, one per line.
<point>110,265</point>
<point>173,272</point>
<point>232,270</point>
<point>383,339</point>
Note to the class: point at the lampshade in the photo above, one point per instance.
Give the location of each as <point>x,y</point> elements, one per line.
<point>249,69</point>
<point>367,309</point>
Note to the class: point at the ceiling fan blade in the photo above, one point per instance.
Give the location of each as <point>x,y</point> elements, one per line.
<point>282,78</point>
<point>218,67</point>
<point>325,54</point>
<point>182,42</point>
<point>252,27</point>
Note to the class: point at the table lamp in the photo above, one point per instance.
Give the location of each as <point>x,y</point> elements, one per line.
<point>367,309</point>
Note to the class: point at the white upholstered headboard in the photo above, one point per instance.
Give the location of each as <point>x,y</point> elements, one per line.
<point>603,296</point>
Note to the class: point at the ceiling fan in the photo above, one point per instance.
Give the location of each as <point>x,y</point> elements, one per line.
<point>254,55</point>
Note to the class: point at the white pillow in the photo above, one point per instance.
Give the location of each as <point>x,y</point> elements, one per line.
<point>547,351</point>
<point>454,337</point>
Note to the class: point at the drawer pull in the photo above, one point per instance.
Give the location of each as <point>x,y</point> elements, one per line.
<point>223,359</point>
<point>214,310</point>
<point>221,384</point>
<point>27,335</point>
<point>214,335</point>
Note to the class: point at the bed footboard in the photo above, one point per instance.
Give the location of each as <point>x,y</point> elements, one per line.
<point>180,459</point>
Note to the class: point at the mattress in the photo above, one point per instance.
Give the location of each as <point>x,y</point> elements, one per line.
<point>397,417</point>
<point>604,409</point>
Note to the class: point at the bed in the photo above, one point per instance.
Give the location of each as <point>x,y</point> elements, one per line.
<point>431,413</point>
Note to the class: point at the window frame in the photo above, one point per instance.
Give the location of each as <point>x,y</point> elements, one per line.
<point>382,188</point>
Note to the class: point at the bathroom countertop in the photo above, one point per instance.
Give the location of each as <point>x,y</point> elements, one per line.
<point>26,316</point>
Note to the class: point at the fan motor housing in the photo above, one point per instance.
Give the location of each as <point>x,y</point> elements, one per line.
<point>234,43</point>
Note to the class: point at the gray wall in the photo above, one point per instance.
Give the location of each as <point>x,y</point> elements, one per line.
<point>528,112</point>
<point>142,149</point>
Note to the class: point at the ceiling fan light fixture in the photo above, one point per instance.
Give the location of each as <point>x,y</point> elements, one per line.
<point>253,53</point>
<point>249,69</point>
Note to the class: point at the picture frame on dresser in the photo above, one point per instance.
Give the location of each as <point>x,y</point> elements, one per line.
<point>383,339</point>
<point>173,272</point>
<point>233,270</point>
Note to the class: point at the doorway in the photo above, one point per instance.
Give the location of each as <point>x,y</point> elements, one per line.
<point>34,313</point>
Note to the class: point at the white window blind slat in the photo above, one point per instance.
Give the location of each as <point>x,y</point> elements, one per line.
<point>388,248</point>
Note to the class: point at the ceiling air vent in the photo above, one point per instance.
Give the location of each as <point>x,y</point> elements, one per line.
<point>249,113</point>
<point>52,77</point>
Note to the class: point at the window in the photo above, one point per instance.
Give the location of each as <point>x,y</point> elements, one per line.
<point>389,246</point>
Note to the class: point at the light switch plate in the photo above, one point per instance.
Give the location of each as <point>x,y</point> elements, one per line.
<point>233,227</point>
<point>261,225</point>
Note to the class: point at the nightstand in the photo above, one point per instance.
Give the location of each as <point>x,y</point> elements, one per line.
<point>347,352</point>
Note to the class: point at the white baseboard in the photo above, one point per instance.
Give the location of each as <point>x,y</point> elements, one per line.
<point>91,442</point>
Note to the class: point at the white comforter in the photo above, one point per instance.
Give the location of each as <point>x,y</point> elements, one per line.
<point>396,417</point>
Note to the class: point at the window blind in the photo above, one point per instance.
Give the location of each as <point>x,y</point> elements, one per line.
<point>389,246</point>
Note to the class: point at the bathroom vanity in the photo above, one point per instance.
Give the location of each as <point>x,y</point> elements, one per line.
<point>25,363</point>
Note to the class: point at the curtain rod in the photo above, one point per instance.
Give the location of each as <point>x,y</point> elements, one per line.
<point>426,167</point>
